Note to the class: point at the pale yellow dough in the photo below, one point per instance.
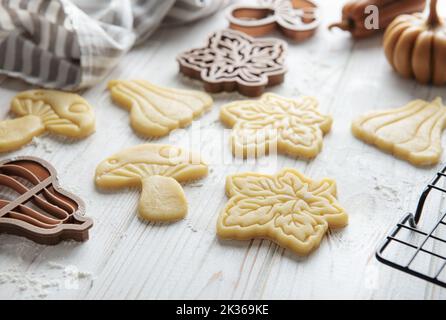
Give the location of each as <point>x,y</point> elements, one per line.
<point>38,111</point>
<point>291,126</point>
<point>412,133</point>
<point>155,168</point>
<point>155,110</point>
<point>287,208</point>
<point>162,199</point>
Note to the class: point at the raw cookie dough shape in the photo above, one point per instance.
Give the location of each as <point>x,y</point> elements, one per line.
<point>287,208</point>
<point>234,61</point>
<point>33,205</point>
<point>412,133</point>
<point>294,126</point>
<point>157,169</point>
<point>296,19</point>
<point>58,112</point>
<point>154,110</point>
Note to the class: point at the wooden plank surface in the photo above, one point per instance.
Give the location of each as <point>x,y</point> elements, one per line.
<point>130,259</point>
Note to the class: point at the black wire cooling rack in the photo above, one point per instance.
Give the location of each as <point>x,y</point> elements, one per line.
<point>426,239</point>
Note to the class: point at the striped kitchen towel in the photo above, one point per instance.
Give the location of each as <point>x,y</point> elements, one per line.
<point>72,44</point>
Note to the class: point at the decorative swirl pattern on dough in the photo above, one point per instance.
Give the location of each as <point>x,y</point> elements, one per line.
<point>412,133</point>
<point>287,208</point>
<point>155,110</point>
<point>294,126</point>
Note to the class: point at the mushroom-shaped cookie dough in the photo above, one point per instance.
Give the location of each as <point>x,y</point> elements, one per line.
<point>157,169</point>
<point>58,112</point>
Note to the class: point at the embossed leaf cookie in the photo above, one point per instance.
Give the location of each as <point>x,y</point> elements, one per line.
<point>287,208</point>
<point>38,111</point>
<point>156,169</point>
<point>293,126</point>
<point>412,133</point>
<point>155,110</point>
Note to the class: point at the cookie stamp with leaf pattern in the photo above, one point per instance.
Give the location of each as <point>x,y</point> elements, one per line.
<point>287,208</point>
<point>234,61</point>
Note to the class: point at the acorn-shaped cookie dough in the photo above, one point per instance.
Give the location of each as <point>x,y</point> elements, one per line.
<point>416,46</point>
<point>156,169</point>
<point>38,111</point>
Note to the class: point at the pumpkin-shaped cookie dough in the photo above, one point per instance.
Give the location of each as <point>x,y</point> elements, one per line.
<point>157,169</point>
<point>416,46</point>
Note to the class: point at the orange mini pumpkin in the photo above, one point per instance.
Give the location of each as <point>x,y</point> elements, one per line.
<point>416,46</point>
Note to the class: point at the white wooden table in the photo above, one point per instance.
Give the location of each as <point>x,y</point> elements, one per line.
<point>127,258</point>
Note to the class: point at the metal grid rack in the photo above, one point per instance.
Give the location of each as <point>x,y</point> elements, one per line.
<point>409,223</point>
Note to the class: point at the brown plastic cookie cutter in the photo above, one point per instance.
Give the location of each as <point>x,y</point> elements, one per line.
<point>296,19</point>
<point>234,61</point>
<point>39,209</point>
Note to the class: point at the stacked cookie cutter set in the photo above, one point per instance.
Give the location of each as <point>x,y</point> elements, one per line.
<point>410,225</point>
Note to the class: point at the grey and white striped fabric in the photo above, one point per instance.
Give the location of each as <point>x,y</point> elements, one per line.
<point>72,44</point>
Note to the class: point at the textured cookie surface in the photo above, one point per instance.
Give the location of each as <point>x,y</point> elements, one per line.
<point>412,133</point>
<point>293,126</point>
<point>234,61</point>
<point>155,110</point>
<point>287,208</point>
<point>155,168</point>
<point>62,113</point>
<point>38,111</point>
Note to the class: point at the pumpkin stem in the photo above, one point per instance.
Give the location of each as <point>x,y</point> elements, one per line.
<point>343,25</point>
<point>433,19</point>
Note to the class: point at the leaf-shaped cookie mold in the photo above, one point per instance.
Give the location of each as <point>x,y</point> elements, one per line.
<point>412,133</point>
<point>155,110</point>
<point>156,169</point>
<point>292,126</point>
<point>233,61</point>
<point>287,208</point>
<point>58,112</point>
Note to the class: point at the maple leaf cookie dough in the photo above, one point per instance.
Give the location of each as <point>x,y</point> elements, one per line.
<point>155,110</point>
<point>38,111</point>
<point>157,169</point>
<point>412,132</point>
<point>293,126</point>
<point>287,208</point>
